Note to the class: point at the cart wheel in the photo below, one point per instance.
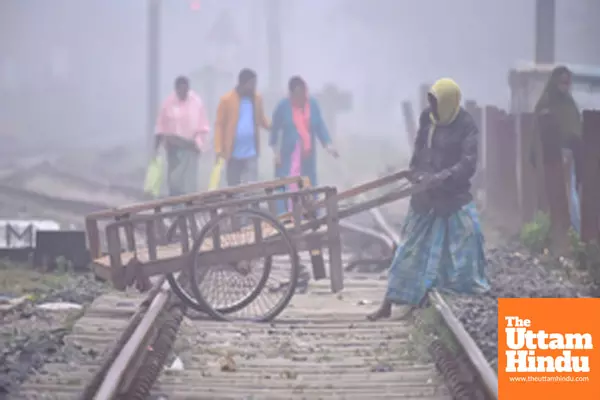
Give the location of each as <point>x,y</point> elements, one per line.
<point>242,290</point>
<point>189,300</point>
<point>180,285</point>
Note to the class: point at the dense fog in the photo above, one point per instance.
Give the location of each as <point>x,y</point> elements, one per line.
<point>74,72</point>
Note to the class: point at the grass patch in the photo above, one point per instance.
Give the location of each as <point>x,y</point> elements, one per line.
<point>432,322</point>
<point>18,279</point>
<point>428,327</point>
<point>535,235</point>
<point>586,256</point>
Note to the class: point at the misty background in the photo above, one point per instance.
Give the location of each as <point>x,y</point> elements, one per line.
<point>73,73</point>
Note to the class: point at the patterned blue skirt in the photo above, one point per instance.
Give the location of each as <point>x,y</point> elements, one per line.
<point>446,253</point>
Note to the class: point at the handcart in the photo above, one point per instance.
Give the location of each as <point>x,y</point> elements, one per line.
<point>233,253</point>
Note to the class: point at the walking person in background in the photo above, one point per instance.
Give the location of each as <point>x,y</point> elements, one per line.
<point>297,122</point>
<point>557,143</point>
<point>182,128</point>
<point>442,241</point>
<point>240,116</point>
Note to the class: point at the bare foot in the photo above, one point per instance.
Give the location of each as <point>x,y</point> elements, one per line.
<point>385,311</point>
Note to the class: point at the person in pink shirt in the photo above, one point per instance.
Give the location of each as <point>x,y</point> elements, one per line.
<point>182,129</point>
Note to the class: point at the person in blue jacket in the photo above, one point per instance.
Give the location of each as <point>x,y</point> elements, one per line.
<point>297,125</point>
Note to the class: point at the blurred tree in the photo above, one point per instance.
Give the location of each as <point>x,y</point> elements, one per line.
<point>275,52</point>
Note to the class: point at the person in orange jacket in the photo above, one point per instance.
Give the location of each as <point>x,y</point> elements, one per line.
<point>240,115</point>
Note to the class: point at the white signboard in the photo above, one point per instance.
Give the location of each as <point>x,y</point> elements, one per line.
<point>16,234</point>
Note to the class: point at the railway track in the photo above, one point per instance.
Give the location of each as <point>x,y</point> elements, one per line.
<point>321,347</point>
<point>44,191</point>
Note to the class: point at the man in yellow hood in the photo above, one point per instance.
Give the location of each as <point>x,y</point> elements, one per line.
<point>442,238</point>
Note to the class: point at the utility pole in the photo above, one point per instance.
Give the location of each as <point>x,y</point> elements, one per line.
<point>545,31</point>
<point>153,67</point>
<point>273,13</point>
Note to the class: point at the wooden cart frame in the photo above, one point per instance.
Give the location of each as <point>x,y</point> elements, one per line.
<point>312,224</point>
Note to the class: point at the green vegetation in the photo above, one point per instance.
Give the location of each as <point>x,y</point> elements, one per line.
<point>585,255</point>
<point>535,235</point>
<point>432,322</point>
<point>63,265</point>
<point>22,279</point>
<point>428,326</point>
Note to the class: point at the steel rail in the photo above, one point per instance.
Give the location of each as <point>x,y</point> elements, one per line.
<point>123,363</point>
<point>486,373</point>
<point>385,239</point>
<point>53,202</point>
<point>16,177</point>
<point>96,381</point>
<point>121,366</point>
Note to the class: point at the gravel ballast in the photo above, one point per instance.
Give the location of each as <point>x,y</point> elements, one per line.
<point>515,273</point>
<point>31,336</point>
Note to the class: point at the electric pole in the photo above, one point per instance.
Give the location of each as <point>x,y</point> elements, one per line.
<point>153,67</point>
<point>273,11</point>
<point>545,31</point>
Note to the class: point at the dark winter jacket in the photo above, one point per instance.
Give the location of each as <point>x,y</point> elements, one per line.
<point>452,147</point>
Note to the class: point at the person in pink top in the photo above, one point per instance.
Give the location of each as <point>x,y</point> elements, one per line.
<point>182,129</point>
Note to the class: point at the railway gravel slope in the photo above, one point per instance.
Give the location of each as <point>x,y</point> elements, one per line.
<point>91,338</point>
<point>514,273</point>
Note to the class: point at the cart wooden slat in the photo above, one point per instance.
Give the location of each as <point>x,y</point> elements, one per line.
<point>312,224</point>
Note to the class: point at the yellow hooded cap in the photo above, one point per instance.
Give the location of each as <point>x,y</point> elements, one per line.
<point>448,96</point>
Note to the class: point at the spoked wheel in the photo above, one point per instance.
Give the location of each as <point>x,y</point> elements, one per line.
<point>181,285</point>
<point>253,289</point>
